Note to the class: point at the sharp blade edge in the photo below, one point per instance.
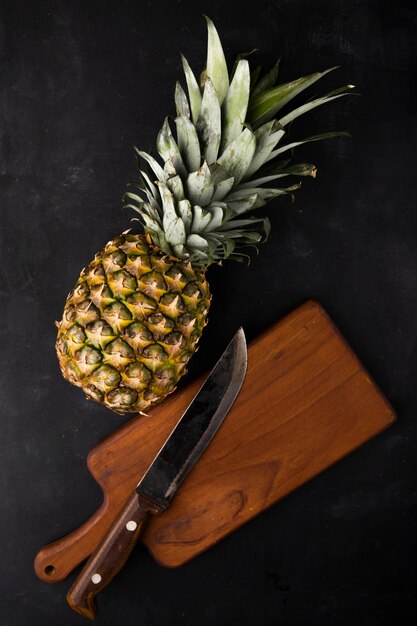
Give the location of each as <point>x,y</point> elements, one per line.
<point>197,426</point>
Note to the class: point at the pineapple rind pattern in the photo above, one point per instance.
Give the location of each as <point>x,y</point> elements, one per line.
<point>131,324</point>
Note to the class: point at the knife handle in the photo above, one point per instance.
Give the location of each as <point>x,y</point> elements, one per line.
<point>111,555</point>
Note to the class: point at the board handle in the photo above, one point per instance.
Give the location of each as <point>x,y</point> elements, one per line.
<point>111,555</point>
<point>56,560</point>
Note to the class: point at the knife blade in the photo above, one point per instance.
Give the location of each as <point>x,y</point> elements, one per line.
<point>154,492</point>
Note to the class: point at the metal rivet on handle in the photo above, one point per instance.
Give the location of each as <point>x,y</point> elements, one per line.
<point>131,525</point>
<point>96,578</point>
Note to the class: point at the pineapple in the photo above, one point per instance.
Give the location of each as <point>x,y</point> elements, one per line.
<point>135,316</point>
<point>132,323</point>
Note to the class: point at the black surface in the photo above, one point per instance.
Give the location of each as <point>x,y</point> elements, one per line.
<point>81,82</point>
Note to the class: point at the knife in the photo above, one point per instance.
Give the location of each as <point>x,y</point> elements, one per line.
<point>154,492</point>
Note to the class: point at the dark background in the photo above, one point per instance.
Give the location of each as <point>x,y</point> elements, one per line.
<point>81,82</point>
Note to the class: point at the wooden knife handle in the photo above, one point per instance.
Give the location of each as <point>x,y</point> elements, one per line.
<point>111,555</point>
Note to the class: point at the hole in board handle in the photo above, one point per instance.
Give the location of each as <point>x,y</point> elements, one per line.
<point>49,570</point>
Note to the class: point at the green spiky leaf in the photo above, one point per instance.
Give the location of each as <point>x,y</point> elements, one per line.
<point>194,93</point>
<point>181,103</point>
<point>243,203</point>
<point>150,184</point>
<point>254,77</point>
<point>209,122</point>
<point>200,206</point>
<point>238,224</point>
<point>267,137</point>
<point>238,155</point>
<point>173,225</point>
<point>199,187</point>
<point>188,143</point>
<point>216,67</point>
<point>216,220</point>
<point>264,106</point>
<point>201,219</point>
<point>176,187</point>
<point>301,169</point>
<point>308,106</point>
<point>169,151</point>
<point>186,214</point>
<point>267,81</point>
<point>196,241</point>
<point>222,189</point>
<point>262,195</point>
<point>154,165</point>
<point>235,104</point>
<point>294,144</point>
<point>242,55</point>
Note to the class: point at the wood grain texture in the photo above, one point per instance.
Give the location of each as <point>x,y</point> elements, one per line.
<point>306,402</point>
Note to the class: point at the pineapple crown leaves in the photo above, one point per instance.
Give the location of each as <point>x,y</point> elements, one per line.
<point>199,204</point>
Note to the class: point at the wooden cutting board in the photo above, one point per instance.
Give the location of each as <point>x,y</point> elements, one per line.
<point>306,402</point>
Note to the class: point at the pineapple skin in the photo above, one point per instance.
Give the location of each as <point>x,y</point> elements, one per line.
<point>131,324</point>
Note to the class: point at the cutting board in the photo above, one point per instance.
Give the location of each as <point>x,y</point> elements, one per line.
<point>306,402</point>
